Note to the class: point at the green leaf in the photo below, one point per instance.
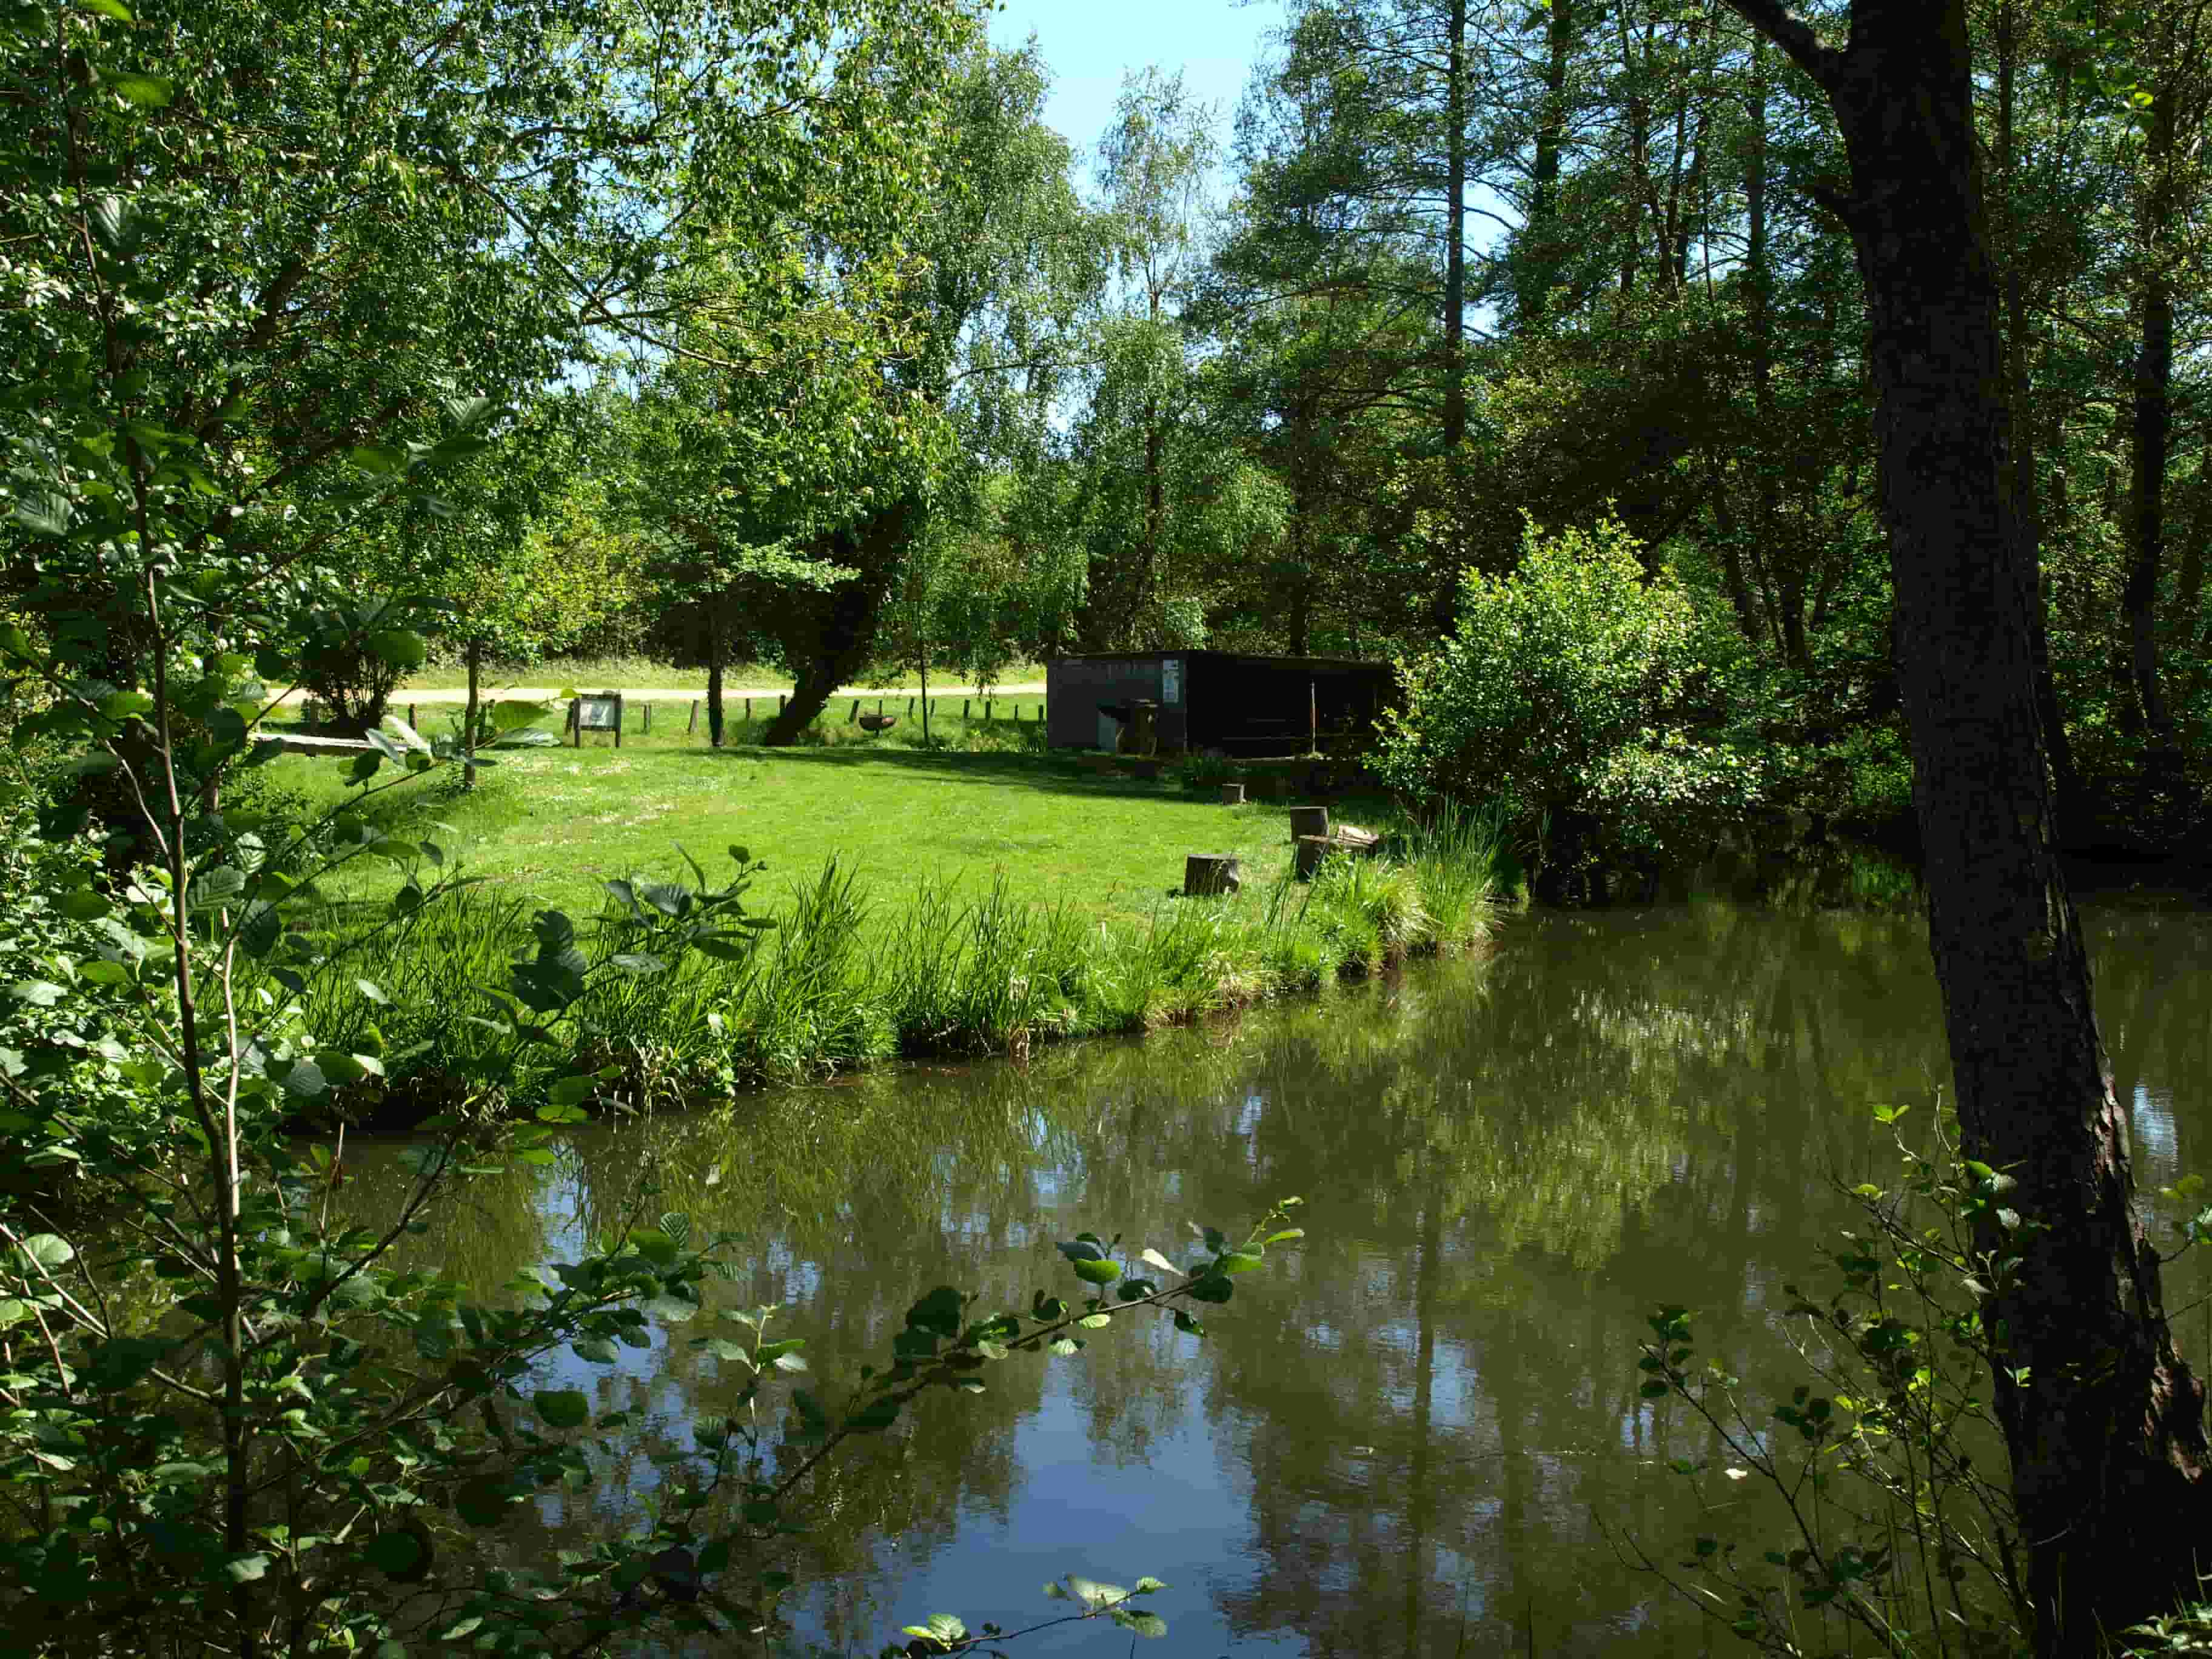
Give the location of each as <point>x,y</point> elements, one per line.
<point>1154,1259</point>
<point>597,1349</point>
<point>1096,1272</point>
<point>395,1554</point>
<point>244,1569</point>
<point>943,1629</point>
<point>305,1078</point>
<point>115,9</point>
<point>1239,1261</point>
<point>400,646</point>
<point>1143,1624</point>
<point>481,1502</point>
<point>563,1408</point>
<point>38,992</point>
<point>47,1251</point>
<point>135,85</point>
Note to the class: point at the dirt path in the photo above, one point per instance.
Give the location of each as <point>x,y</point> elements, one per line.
<point>729,693</point>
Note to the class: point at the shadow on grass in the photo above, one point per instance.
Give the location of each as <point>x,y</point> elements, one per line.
<point>1058,773</point>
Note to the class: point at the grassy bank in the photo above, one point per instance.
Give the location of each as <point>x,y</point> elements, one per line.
<point>852,975</point>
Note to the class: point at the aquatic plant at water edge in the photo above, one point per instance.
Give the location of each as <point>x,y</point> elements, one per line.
<point>1901,1539</point>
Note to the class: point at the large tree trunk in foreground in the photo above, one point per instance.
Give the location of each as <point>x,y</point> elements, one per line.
<point>2107,1431</point>
<point>827,636</point>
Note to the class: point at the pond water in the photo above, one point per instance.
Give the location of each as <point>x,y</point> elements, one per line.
<point>1413,1433</point>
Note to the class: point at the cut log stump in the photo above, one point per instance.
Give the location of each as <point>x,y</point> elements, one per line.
<point>1307,821</point>
<point>1207,873</point>
<point>1232,795</point>
<point>1348,842</point>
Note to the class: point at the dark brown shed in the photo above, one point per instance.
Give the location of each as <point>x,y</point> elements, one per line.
<point>1240,705</point>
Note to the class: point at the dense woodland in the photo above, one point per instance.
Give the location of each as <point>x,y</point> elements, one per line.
<point>1734,423</point>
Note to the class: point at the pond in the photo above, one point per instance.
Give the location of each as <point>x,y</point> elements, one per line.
<point>1419,1431</point>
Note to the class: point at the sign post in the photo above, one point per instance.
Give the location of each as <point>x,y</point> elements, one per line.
<point>601,713</point>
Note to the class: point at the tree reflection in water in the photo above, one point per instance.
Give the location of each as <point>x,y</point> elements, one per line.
<point>1396,1442</point>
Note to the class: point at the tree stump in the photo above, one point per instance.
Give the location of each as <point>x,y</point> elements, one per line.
<point>1312,850</point>
<point>1232,795</point>
<point>1309,821</point>
<point>1205,874</point>
<point>1360,843</point>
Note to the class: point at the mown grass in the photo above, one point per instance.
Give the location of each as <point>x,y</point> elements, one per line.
<point>553,823</point>
<point>975,900</point>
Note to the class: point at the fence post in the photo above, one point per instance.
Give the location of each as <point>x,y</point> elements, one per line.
<point>693,726</point>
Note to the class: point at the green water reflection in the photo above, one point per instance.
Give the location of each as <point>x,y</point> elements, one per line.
<point>1399,1440</point>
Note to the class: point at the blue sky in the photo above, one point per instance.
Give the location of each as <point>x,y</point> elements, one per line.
<point>1089,44</point>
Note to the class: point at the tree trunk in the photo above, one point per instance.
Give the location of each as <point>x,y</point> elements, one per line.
<point>2103,1421</point>
<point>1759,296</point>
<point>473,652</point>
<point>827,636</point>
<point>2189,580</point>
<point>1443,603</point>
<point>2068,808</point>
<point>1540,267</point>
<point>2153,431</point>
<point>714,672</point>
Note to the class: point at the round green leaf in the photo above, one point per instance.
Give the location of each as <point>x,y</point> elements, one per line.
<point>563,1408</point>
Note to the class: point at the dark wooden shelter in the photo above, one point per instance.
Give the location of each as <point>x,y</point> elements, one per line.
<point>1216,700</point>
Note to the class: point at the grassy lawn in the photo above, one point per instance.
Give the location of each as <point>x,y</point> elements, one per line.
<point>555,823</point>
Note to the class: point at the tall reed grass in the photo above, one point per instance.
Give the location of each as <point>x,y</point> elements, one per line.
<point>845,980</point>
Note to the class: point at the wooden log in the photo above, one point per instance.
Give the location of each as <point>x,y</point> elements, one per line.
<point>1232,795</point>
<point>1308,821</point>
<point>1312,850</point>
<point>1207,874</point>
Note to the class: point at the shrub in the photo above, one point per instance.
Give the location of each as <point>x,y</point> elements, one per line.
<point>1565,690</point>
